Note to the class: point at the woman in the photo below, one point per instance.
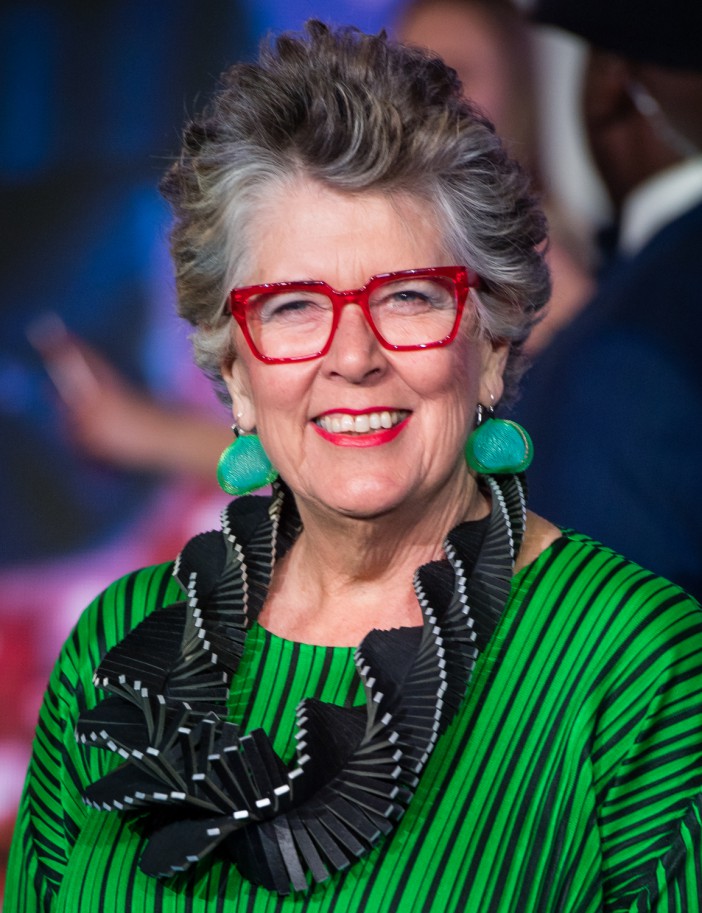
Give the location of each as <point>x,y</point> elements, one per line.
<point>386,687</point>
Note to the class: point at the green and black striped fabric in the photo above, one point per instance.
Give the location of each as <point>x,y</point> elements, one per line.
<point>570,780</point>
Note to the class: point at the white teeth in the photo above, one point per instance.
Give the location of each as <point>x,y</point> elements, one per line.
<point>360,424</point>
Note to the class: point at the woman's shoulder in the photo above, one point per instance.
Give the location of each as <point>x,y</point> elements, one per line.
<point>130,599</point>
<point>137,593</point>
<point>581,605</point>
<point>113,613</point>
<point>573,569</point>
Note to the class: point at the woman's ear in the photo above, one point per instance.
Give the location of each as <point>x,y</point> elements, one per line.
<point>492,383</point>
<point>236,378</point>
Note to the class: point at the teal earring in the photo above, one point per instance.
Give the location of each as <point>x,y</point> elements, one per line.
<point>497,445</point>
<point>244,465</point>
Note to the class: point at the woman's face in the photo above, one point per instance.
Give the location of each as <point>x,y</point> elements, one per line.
<point>309,232</point>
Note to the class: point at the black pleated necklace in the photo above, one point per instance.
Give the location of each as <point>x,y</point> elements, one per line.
<point>197,785</point>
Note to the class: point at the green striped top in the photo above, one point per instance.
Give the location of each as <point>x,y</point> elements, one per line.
<point>570,780</point>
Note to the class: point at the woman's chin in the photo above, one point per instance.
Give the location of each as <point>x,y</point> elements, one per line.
<point>364,499</point>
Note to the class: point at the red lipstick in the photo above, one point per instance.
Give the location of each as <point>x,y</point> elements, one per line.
<point>367,439</point>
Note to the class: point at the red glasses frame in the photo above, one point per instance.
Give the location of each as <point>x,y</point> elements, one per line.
<point>462,277</point>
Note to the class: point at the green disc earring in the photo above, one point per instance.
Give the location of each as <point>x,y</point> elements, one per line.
<point>497,445</point>
<point>244,465</point>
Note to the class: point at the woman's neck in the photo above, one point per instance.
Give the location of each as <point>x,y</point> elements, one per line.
<point>345,576</point>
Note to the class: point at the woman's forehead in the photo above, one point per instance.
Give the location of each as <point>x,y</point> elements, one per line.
<point>308,231</point>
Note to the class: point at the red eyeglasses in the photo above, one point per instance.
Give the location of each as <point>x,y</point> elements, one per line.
<point>406,310</point>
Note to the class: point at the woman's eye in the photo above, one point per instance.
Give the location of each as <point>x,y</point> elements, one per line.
<point>410,294</point>
<point>283,307</point>
<point>287,308</point>
<point>416,298</point>
<point>404,297</point>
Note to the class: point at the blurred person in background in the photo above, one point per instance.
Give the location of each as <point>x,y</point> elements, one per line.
<point>614,406</point>
<point>387,685</point>
<point>490,45</point>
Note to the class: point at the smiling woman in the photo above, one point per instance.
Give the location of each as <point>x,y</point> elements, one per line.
<point>411,473</point>
<point>386,686</point>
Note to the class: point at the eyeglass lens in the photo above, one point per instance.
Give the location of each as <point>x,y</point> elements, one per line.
<point>297,321</point>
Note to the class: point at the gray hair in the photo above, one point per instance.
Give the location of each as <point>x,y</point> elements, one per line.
<point>356,113</point>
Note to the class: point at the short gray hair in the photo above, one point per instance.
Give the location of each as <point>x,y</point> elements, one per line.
<point>355,113</point>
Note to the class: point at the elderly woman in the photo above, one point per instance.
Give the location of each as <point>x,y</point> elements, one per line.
<point>387,686</point>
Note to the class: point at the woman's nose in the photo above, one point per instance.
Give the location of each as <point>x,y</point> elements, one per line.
<point>355,353</point>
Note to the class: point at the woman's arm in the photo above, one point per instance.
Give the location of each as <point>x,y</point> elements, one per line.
<point>52,811</point>
<point>647,759</point>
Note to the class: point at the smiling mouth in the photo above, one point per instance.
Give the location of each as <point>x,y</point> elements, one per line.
<point>344,423</point>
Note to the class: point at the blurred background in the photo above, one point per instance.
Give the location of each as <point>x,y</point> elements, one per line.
<point>99,404</point>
